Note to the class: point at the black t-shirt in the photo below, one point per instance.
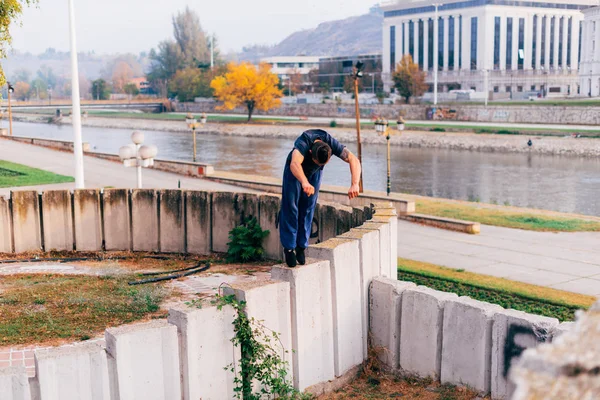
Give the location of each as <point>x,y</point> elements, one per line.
<point>305,142</point>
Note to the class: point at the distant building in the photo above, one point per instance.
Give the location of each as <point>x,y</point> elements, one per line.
<point>335,72</point>
<point>283,67</point>
<point>589,70</point>
<point>510,46</point>
<point>142,84</point>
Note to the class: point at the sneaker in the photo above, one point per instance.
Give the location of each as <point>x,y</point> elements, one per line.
<point>290,258</point>
<point>300,255</point>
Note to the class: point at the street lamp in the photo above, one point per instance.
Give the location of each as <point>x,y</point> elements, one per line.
<point>193,124</point>
<point>11,89</point>
<point>357,74</point>
<point>382,127</point>
<point>136,155</point>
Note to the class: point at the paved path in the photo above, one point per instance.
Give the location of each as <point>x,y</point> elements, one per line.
<point>98,173</point>
<point>566,261</point>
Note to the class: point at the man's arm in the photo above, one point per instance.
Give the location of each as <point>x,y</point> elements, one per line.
<point>296,168</point>
<point>355,171</point>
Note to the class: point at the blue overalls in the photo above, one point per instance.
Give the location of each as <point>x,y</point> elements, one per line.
<point>298,209</point>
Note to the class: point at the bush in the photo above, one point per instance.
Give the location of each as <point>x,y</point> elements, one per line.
<point>246,242</point>
<point>438,129</point>
<point>333,123</point>
<point>506,132</point>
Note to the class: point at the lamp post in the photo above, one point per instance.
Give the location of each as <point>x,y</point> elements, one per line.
<point>193,124</point>
<point>49,95</point>
<point>11,89</point>
<point>382,127</point>
<point>358,73</point>
<point>136,155</point>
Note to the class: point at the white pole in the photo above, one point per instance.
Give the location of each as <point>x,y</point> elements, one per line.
<point>435,55</point>
<point>76,114</point>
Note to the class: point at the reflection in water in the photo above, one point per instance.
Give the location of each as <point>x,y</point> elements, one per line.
<point>566,184</point>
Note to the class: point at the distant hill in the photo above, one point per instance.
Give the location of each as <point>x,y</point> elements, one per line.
<point>347,37</point>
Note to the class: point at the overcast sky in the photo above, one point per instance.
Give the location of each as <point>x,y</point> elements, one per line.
<point>109,26</point>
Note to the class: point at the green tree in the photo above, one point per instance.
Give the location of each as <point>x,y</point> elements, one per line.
<point>190,83</point>
<point>10,11</point>
<point>409,80</point>
<point>100,90</point>
<point>38,89</point>
<point>190,38</point>
<point>131,89</point>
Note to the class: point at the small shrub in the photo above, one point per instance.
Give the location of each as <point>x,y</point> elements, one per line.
<point>333,123</point>
<point>246,242</point>
<point>507,132</point>
<point>437,129</point>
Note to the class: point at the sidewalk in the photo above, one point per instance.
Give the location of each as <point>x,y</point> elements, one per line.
<point>565,261</point>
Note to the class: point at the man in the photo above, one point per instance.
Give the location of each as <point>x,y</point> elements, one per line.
<point>301,183</point>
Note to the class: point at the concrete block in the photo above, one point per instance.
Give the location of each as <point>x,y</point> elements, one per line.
<point>328,218</point>
<point>88,220</point>
<point>206,350</point>
<point>14,384</point>
<point>561,329</point>
<point>26,221</point>
<point>385,304</point>
<point>384,246</point>
<point>369,211</point>
<point>422,322</point>
<point>389,214</point>
<point>358,216</point>
<point>144,220</point>
<point>344,219</point>
<point>268,305</point>
<point>467,343</point>
<point>77,372</point>
<point>228,211</point>
<point>117,219</point>
<point>57,214</point>
<point>171,221</point>
<point>198,221</point>
<point>514,332</point>
<point>315,233</point>
<point>269,207</point>
<point>344,258</point>
<point>6,240</point>
<point>144,361</point>
<point>368,246</point>
<point>312,321</point>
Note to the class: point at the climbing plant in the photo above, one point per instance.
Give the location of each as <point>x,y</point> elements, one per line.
<point>261,364</point>
<point>246,242</point>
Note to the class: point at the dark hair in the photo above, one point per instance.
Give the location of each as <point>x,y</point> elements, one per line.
<point>321,152</point>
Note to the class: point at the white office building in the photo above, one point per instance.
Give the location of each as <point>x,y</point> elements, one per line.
<point>509,48</point>
<point>589,69</point>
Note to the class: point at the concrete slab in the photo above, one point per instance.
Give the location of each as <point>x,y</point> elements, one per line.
<point>6,239</point>
<point>14,384</point>
<point>228,211</point>
<point>26,221</point>
<point>198,221</point>
<point>368,246</point>
<point>467,343</point>
<point>57,217</point>
<point>513,332</point>
<point>88,220</point>
<point>422,323</point>
<point>345,219</point>
<point>384,246</point>
<point>144,220</point>
<point>144,361</point>
<point>172,221</point>
<point>328,218</point>
<point>207,352</point>
<point>269,206</point>
<point>562,328</point>
<point>344,258</point>
<point>582,285</point>
<point>73,372</point>
<point>389,213</point>
<point>312,321</point>
<point>385,303</point>
<point>542,277</point>
<point>117,219</point>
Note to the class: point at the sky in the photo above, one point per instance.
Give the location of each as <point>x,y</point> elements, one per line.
<point>122,26</point>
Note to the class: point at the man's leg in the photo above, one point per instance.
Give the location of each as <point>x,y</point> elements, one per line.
<point>306,212</point>
<point>288,219</point>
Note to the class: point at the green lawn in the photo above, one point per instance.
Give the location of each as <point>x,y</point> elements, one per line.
<point>19,175</point>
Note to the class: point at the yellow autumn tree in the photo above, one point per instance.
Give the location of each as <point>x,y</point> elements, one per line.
<point>10,12</point>
<point>244,84</point>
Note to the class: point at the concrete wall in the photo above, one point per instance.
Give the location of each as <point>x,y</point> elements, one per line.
<point>144,220</point>
<point>172,221</point>
<point>228,211</point>
<point>57,216</point>
<point>14,384</point>
<point>88,220</point>
<point>26,224</point>
<point>117,219</point>
<point>6,231</point>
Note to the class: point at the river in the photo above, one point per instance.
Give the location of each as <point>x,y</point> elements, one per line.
<point>566,184</point>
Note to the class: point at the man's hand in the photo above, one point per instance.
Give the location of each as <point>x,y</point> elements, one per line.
<point>308,189</point>
<point>353,191</point>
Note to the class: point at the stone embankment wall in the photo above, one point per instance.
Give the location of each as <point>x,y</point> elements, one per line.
<point>530,114</point>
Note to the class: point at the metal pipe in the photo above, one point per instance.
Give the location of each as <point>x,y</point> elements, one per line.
<point>76,114</point>
<point>194,139</point>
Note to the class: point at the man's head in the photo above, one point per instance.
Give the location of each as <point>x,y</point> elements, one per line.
<point>320,152</point>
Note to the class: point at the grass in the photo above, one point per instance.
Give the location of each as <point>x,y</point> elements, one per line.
<point>542,222</point>
<point>508,294</point>
<point>50,308</point>
<point>12,174</point>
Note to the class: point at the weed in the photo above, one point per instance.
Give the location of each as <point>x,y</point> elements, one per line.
<point>246,242</point>
<point>437,129</point>
<point>333,123</point>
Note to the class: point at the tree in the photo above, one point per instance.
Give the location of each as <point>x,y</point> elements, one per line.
<point>409,80</point>
<point>244,84</point>
<point>21,75</point>
<point>22,90</point>
<point>10,11</point>
<point>131,89</point>
<point>190,38</point>
<point>190,83</point>
<point>38,89</point>
<point>122,74</point>
<point>296,82</point>
<point>100,90</point>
